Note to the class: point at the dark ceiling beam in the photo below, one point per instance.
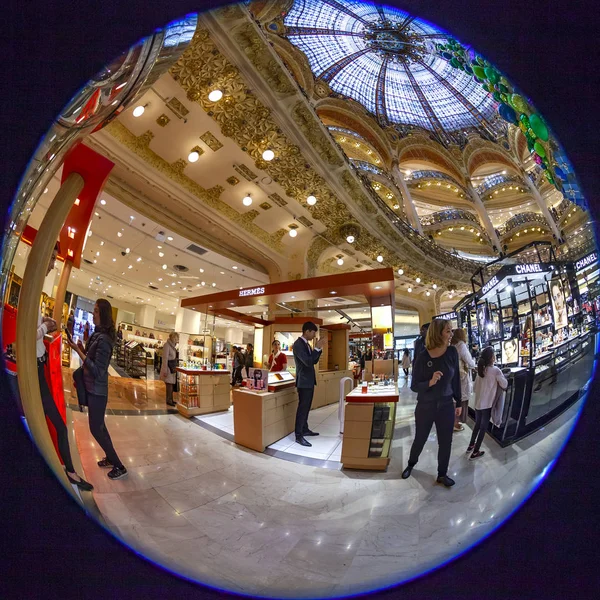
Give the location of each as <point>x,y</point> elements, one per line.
<point>330,72</point>
<point>435,122</point>
<point>380,93</point>
<point>472,110</point>
<point>345,10</point>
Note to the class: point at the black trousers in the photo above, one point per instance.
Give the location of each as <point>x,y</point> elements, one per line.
<point>236,375</point>
<point>305,398</point>
<point>96,413</point>
<point>170,387</point>
<point>51,411</point>
<point>441,413</point>
<point>482,418</point>
<point>405,372</point>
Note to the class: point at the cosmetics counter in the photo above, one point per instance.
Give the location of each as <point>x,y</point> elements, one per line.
<point>531,314</point>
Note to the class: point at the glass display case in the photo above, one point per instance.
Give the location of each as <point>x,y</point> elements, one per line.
<point>382,431</point>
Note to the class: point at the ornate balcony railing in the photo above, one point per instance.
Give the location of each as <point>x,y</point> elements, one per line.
<point>451,214</point>
<point>426,245</point>
<point>367,166</point>
<point>417,176</point>
<point>521,220</point>
<point>489,183</point>
<point>565,206</point>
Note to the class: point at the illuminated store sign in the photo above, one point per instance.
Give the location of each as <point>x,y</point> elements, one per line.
<point>252,291</point>
<point>451,316</point>
<point>586,261</point>
<point>489,285</point>
<point>528,268</point>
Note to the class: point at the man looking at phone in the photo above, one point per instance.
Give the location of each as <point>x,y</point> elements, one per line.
<point>305,358</point>
<point>47,325</point>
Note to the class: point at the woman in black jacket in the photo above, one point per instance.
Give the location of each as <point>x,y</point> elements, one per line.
<point>96,359</point>
<point>436,380</point>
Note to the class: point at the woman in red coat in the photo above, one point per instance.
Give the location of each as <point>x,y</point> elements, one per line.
<point>277,360</point>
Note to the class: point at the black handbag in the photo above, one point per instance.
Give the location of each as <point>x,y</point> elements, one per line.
<point>173,364</point>
<point>82,398</point>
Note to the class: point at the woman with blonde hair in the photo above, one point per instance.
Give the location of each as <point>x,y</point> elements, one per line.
<point>170,358</point>
<point>466,362</point>
<point>436,380</point>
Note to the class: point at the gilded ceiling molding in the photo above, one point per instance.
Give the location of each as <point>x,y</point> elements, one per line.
<point>351,115</point>
<point>268,10</point>
<point>295,60</point>
<point>250,124</point>
<point>317,247</point>
<point>140,146</point>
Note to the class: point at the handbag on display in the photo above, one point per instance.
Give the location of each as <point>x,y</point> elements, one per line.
<point>82,398</point>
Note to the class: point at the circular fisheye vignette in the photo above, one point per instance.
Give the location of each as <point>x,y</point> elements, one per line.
<point>556,173</point>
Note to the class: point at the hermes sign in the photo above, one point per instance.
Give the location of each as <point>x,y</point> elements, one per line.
<point>257,291</point>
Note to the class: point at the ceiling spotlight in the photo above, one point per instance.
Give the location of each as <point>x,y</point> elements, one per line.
<point>409,290</point>
<point>434,286</point>
<point>139,259</point>
<point>215,95</point>
<point>193,156</point>
<point>340,261</point>
<point>380,259</point>
<point>428,293</point>
<point>203,283</point>
<point>400,271</point>
<point>311,200</point>
<point>127,250</point>
<point>418,280</point>
<point>129,267</point>
<point>170,238</point>
<point>201,270</point>
<point>268,155</point>
<point>164,267</point>
<point>247,201</point>
<point>293,233</point>
<point>114,260</point>
<point>234,267</point>
<point>161,254</point>
<point>350,239</point>
<point>138,111</point>
<point>396,206</point>
<point>119,234</point>
<point>214,285</point>
<point>103,202</point>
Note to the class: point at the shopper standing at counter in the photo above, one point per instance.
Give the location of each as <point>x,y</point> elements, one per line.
<point>249,359</point>
<point>436,380</point>
<point>277,359</point>
<point>170,361</point>
<point>306,358</point>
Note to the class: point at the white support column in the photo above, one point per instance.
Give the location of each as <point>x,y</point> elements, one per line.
<point>542,205</point>
<point>187,321</point>
<point>409,207</point>
<point>483,216</point>
<point>146,316</point>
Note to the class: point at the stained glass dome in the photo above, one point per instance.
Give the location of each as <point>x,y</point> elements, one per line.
<point>387,60</point>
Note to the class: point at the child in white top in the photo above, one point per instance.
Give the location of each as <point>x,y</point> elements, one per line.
<point>489,377</point>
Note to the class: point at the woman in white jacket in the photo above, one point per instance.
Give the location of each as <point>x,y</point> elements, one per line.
<point>489,377</point>
<point>169,353</point>
<point>466,362</point>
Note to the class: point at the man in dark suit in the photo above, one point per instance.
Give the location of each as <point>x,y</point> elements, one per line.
<point>420,342</point>
<point>305,358</point>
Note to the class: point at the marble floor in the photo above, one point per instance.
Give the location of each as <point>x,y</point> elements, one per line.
<point>255,524</point>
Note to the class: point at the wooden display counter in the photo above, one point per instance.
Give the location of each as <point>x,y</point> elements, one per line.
<point>203,391</point>
<point>262,418</point>
<point>369,428</point>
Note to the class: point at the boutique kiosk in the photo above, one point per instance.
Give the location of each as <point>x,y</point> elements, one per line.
<point>529,310</point>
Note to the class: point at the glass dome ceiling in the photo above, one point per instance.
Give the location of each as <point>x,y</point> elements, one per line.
<point>387,60</point>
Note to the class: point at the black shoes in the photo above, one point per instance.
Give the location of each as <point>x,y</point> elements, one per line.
<point>117,473</point>
<point>82,484</point>
<point>406,473</point>
<point>309,433</point>
<point>477,454</point>
<point>300,440</point>
<point>105,463</point>
<point>171,404</point>
<point>445,480</point>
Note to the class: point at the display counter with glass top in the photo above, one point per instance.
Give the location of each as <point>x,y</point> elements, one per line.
<point>203,391</point>
<point>369,417</point>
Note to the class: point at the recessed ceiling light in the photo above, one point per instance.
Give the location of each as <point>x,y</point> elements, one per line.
<point>380,259</point>
<point>377,287</point>
<point>340,261</point>
<point>247,201</point>
<point>127,250</point>
<point>333,292</point>
<point>234,267</point>
<point>138,111</point>
<point>350,239</point>
<point>161,254</point>
<point>268,155</point>
<point>410,289</point>
<point>400,271</point>
<point>130,267</point>
<point>193,156</point>
<point>203,283</point>
<point>214,285</point>
<point>311,200</point>
<point>215,95</point>
<point>164,267</point>
<point>160,279</point>
<point>222,272</point>
<point>293,233</point>
<point>119,234</point>
<point>170,238</point>
<point>103,202</point>
<point>418,280</point>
